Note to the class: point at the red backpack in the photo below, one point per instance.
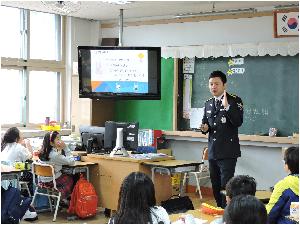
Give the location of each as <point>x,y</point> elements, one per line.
<point>84,199</point>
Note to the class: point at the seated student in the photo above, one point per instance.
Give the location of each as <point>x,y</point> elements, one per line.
<point>245,209</point>
<point>55,152</point>
<point>286,190</point>
<point>137,202</point>
<point>237,185</point>
<point>241,184</point>
<point>15,148</point>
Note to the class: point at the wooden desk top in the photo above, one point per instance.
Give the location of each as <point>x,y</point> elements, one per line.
<point>79,153</point>
<point>79,164</point>
<point>9,169</point>
<point>262,195</point>
<point>196,213</point>
<point>128,159</point>
<point>173,163</point>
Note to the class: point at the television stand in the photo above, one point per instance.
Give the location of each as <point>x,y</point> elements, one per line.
<point>119,145</point>
<point>119,152</point>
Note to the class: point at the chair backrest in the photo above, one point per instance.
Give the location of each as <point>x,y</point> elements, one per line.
<point>44,170</point>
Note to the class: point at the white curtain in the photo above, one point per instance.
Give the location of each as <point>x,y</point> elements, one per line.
<point>232,50</point>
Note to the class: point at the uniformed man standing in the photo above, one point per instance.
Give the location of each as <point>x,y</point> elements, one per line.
<point>223,114</point>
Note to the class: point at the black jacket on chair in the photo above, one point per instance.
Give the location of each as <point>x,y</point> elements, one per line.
<point>223,141</point>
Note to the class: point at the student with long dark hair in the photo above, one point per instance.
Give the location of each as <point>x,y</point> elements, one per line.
<point>137,203</point>
<point>55,152</point>
<point>286,190</point>
<point>14,147</point>
<point>245,209</point>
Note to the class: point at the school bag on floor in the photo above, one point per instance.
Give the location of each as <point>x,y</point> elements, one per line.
<point>84,199</point>
<point>177,204</point>
<point>13,206</point>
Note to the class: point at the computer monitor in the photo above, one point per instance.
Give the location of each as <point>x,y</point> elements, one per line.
<point>92,138</point>
<point>130,135</point>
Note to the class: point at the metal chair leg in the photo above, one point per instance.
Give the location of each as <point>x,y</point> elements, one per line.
<point>198,186</point>
<point>34,195</point>
<point>50,202</point>
<point>56,208</point>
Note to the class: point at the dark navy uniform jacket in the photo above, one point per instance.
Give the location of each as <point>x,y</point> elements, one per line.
<point>223,141</point>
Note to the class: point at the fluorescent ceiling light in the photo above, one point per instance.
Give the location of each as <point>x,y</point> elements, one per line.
<point>216,13</point>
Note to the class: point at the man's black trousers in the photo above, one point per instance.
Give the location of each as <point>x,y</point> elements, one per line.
<point>221,170</point>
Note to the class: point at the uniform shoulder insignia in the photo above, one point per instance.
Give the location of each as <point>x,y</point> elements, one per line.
<point>209,99</point>
<point>233,95</point>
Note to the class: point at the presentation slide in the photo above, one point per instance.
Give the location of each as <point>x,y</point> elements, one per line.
<point>119,71</point>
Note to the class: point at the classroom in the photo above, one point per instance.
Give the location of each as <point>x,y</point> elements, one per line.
<point>180,58</point>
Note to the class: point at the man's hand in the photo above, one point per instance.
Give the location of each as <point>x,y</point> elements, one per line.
<point>204,127</point>
<point>224,100</point>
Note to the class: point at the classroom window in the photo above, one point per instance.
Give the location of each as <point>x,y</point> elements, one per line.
<point>44,93</point>
<point>44,36</point>
<point>12,96</point>
<point>11,32</point>
<point>33,47</point>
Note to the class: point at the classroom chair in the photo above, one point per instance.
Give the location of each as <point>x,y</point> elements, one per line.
<point>46,170</point>
<point>23,185</point>
<point>203,172</point>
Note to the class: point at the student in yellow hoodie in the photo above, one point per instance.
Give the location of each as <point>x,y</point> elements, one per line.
<point>286,190</point>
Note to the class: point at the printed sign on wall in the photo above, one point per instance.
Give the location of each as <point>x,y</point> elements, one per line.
<point>286,23</point>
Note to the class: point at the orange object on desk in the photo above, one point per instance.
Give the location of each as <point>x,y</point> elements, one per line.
<point>211,210</point>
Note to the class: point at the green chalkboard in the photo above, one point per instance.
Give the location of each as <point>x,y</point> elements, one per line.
<point>152,114</point>
<point>268,86</point>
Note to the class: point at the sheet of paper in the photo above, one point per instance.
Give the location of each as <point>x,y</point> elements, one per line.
<point>187,95</point>
<point>188,65</point>
<point>196,117</point>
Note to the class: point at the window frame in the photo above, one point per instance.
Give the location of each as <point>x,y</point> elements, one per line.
<point>25,64</point>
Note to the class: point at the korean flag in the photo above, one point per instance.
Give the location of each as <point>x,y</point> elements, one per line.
<point>288,23</point>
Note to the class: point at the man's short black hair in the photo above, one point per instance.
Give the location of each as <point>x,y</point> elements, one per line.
<point>245,209</point>
<point>220,74</point>
<point>241,184</point>
<point>291,158</point>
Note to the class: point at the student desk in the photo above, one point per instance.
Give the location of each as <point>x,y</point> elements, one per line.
<point>196,213</point>
<point>79,167</point>
<point>10,173</point>
<point>111,171</point>
<point>263,195</point>
<point>173,166</point>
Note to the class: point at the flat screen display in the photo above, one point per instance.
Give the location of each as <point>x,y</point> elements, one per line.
<point>119,72</point>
